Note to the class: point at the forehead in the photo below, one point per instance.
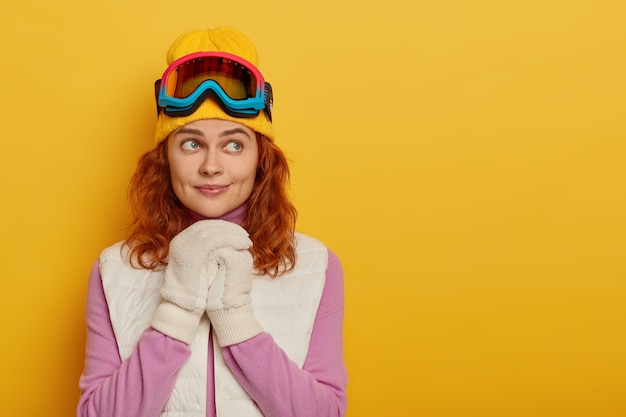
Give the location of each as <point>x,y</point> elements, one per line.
<point>216,126</point>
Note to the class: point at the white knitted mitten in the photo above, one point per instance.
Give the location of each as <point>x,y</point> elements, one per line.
<point>189,274</point>
<point>229,302</point>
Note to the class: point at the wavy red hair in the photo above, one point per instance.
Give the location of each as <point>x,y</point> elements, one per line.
<point>159,216</point>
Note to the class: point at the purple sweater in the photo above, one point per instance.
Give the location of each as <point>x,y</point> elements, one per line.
<point>141,385</point>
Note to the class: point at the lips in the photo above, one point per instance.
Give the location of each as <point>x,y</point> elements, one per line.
<point>212,189</point>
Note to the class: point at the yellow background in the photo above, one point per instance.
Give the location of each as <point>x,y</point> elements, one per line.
<point>465,159</point>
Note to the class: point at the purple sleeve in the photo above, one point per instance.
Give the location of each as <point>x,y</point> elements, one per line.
<point>278,385</point>
<point>139,386</point>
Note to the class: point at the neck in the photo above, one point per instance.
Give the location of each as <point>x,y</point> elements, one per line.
<point>236,216</point>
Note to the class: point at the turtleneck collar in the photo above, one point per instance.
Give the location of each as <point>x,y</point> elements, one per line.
<point>236,216</point>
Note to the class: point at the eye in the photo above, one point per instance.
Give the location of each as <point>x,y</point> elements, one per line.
<point>190,145</point>
<point>234,146</point>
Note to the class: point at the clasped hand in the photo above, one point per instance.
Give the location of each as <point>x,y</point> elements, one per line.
<point>210,269</point>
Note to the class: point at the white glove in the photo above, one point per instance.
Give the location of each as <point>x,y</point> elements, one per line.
<point>228,302</point>
<point>189,273</point>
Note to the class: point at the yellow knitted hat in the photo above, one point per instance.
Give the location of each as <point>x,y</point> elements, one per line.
<point>212,40</point>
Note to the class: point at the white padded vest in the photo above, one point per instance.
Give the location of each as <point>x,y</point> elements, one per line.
<point>133,296</point>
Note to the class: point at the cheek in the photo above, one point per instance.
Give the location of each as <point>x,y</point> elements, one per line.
<point>179,172</point>
<point>247,178</point>
<point>173,173</point>
<point>251,174</point>
<point>246,172</point>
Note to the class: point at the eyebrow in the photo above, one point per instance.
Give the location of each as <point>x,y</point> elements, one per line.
<point>233,131</point>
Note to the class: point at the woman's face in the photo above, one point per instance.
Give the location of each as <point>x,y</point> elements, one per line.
<point>213,165</point>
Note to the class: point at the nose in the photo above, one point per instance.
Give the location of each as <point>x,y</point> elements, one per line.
<point>211,165</point>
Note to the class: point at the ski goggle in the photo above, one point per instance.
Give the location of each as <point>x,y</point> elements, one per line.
<point>234,83</point>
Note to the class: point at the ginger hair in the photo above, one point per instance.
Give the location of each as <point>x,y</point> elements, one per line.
<point>158,216</point>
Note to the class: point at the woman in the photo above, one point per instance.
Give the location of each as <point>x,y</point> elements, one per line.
<point>214,306</point>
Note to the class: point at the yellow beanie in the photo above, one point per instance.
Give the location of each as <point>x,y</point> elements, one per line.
<point>212,40</point>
